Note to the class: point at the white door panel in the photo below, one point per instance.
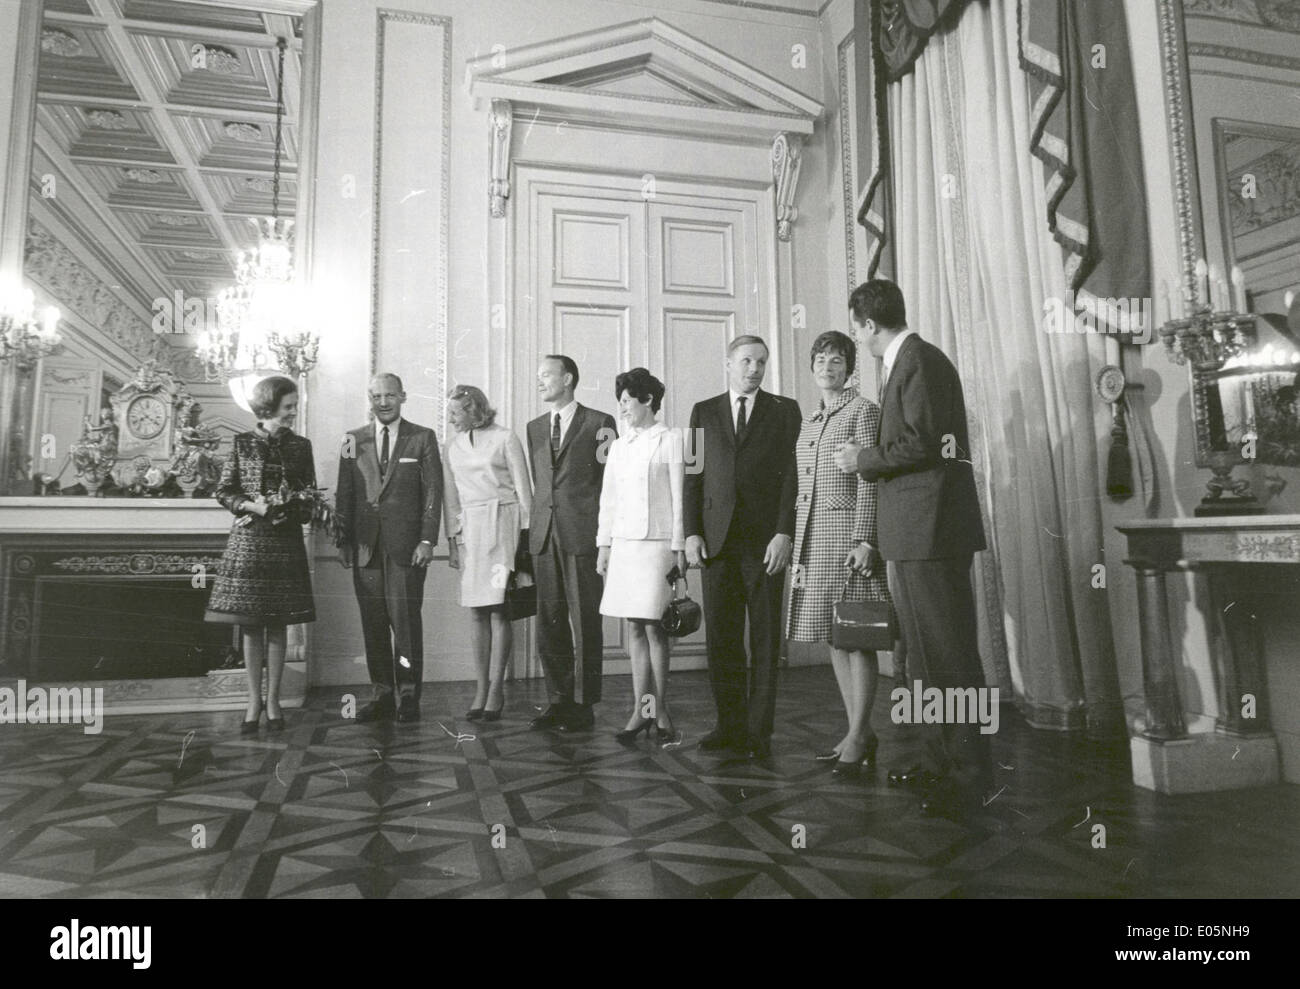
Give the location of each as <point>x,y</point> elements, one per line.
<point>618,281</point>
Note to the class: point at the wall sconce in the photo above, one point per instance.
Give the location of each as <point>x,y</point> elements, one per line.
<point>25,335</point>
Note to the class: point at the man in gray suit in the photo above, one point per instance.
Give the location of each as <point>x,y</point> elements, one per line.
<point>567,447</point>
<point>389,503</point>
<point>930,527</point>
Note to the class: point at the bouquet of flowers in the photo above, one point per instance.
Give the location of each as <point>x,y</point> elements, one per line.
<point>296,503</point>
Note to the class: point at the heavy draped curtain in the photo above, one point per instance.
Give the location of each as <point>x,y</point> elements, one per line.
<point>976,262</point>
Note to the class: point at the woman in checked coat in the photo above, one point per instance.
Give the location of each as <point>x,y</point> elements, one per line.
<point>835,540</point>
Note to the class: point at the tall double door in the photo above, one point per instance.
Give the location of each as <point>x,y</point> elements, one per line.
<point>618,276</point>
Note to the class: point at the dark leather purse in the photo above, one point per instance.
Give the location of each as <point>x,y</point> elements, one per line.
<point>523,559</point>
<point>682,616</point>
<point>521,596</point>
<point>862,626</point>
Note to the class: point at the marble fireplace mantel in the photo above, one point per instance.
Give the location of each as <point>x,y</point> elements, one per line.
<point>44,538</point>
<point>121,515</point>
<point>1251,565</point>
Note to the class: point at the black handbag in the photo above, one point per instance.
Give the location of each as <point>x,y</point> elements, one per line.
<point>682,616</point>
<point>521,596</point>
<point>523,559</point>
<point>862,626</point>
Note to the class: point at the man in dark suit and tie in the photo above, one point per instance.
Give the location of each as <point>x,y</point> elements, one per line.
<point>739,511</point>
<point>929,530</point>
<point>567,447</point>
<point>389,502</point>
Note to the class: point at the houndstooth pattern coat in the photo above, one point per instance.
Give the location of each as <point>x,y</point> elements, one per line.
<point>833,513</point>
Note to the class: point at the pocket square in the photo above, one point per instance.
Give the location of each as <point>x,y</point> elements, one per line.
<point>407,460</point>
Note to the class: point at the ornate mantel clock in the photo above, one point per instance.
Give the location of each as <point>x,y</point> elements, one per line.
<point>145,409</point>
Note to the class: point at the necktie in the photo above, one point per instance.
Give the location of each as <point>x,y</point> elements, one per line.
<point>555,436</point>
<point>884,376</point>
<point>741,421</point>
<point>383,453</point>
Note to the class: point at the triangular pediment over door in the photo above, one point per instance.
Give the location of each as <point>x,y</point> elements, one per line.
<point>644,75</point>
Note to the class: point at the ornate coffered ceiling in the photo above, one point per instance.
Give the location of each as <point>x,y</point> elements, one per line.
<point>157,122</point>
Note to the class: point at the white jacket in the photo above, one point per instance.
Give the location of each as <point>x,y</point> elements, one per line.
<point>641,495</point>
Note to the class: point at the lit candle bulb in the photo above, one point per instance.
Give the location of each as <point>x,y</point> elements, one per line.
<point>50,323</point>
<point>1289,298</point>
<point>1214,294</point>
<point>1202,281</point>
<point>1238,289</point>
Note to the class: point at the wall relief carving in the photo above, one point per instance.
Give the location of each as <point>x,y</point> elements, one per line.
<point>53,266</point>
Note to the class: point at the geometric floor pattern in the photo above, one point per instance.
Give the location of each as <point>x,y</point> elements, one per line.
<point>181,805</point>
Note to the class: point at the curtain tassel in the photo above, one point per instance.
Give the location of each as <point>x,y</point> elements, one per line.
<point>1119,465</point>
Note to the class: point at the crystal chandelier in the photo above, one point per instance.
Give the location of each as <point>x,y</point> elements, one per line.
<point>26,337</point>
<point>257,330</point>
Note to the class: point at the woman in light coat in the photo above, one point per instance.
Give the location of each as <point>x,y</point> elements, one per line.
<point>488,494</point>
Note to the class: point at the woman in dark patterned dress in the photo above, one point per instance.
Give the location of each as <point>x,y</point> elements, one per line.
<point>835,540</point>
<point>264,584</point>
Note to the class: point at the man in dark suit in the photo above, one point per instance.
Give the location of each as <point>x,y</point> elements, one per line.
<point>929,530</point>
<point>738,509</point>
<point>567,448</point>
<point>389,502</point>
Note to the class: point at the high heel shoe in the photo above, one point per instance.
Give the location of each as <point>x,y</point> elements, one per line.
<point>665,738</point>
<point>845,769</point>
<point>628,735</point>
<point>494,715</point>
<point>273,724</point>
<point>250,727</point>
<point>869,753</point>
<point>831,755</point>
<point>474,714</point>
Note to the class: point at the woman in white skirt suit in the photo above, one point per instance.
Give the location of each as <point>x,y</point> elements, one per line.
<point>640,538</point>
<point>487,497</point>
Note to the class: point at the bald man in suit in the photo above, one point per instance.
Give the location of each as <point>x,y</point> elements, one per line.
<point>389,503</point>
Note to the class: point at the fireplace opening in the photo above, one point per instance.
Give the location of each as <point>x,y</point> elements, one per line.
<point>93,628</point>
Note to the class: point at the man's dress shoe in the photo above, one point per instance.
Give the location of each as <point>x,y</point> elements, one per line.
<point>717,740</point>
<point>381,710</point>
<point>579,719</point>
<point>915,776</point>
<point>550,718</point>
<point>408,710</point>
